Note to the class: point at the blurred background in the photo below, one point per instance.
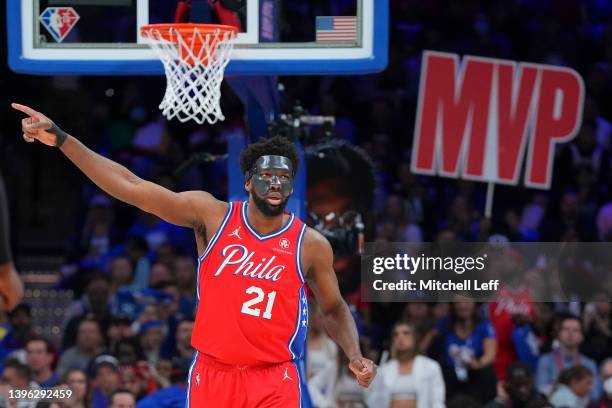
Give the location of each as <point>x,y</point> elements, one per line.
<point>105,278</point>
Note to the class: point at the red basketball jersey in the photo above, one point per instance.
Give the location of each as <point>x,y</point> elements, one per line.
<point>508,303</point>
<point>252,308</point>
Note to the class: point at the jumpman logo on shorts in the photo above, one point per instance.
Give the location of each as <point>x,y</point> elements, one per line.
<point>197,379</point>
<point>236,233</point>
<point>286,377</point>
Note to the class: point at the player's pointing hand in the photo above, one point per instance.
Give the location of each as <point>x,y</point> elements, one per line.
<point>39,127</point>
<point>364,369</point>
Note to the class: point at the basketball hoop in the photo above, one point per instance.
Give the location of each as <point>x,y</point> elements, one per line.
<point>194,58</point>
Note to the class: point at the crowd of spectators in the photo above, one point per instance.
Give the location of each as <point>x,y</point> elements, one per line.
<point>126,336</point>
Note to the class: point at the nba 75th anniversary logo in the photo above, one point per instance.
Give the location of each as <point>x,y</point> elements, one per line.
<point>59,21</point>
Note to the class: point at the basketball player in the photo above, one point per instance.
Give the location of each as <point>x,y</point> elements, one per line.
<point>252,316</point>
<point>11,287</point>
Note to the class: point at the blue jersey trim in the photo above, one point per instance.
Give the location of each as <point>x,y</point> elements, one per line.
<point>193,362</point>
<point>298,339</point>
<point>215,237</point>
<point>298,253</point>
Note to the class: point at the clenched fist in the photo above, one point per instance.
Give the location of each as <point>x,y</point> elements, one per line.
<point>364,369</point>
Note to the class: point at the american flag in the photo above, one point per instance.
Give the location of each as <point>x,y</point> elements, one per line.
<point>336,29</point>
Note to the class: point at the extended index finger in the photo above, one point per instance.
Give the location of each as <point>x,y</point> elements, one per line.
<point>25,109</point>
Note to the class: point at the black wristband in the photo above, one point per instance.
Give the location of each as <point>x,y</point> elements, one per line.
<point>59,133</point>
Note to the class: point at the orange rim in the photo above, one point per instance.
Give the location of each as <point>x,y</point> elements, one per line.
<point>186,29</point>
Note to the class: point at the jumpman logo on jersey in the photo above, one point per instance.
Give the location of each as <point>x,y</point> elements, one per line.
<point>286,377</point>
<point>236,233</point>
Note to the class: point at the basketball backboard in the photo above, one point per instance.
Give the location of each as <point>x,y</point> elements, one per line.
<point>277,37</point>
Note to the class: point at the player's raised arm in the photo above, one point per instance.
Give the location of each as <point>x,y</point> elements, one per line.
<point>186,209</point>
<point>337,317</point>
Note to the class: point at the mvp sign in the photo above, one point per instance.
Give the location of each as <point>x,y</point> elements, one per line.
<point>476,120</point>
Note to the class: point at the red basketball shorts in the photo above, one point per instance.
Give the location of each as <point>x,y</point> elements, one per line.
<point>213,384</point>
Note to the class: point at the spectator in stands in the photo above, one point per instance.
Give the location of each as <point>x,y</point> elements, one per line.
<point>182,355</point>
<point>160,273</point>
<point>543,325</point>
<point>405,230</point>
<point>94,304</point>
<point>153,379</point>
<point>568,221</point>
<point>128,351</point>
<point>606,378</point>
<point>150,311</point>
<point>164,371</point>
<point>470,347</point>
<point>68,401</point>
<point>104,374</point>
<point>583,151</point>
<point>76,379</point>
<point>151,337</point>
<point>320,348</point>
<point>597,323</point>
<point>119,328</point>
<point>16,374</point>
<point>573,387</point>
<point>408,378</point>
<point>39,357</point>
<point>133,381</point>
<point>122,274</point>
<point>518,389</point>
<point>185,274</point>
<point>97,298</point>
<point>570,338</point>
<point>150,142</point>
<point>136,249</point>
<point>20,329</point>
<point>19,377</point>
<point>420,314</point>
<point>169,314</point>
<point>166,252</point>
<point>604,222</point>
<point>97,231</point>
<point>172,396</point>
<point>89,343</point>
<point>512,311</point>
<point>122,398</point>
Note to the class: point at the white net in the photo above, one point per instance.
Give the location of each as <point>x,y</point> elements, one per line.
<point>194,61</point>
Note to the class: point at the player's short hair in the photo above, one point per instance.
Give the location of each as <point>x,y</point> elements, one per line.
<point>276,145</point>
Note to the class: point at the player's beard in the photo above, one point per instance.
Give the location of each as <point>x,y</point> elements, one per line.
<point>267,209</point>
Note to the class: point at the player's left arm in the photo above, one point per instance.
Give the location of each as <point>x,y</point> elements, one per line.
<point>11,287</point>
<point>337,317</point>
